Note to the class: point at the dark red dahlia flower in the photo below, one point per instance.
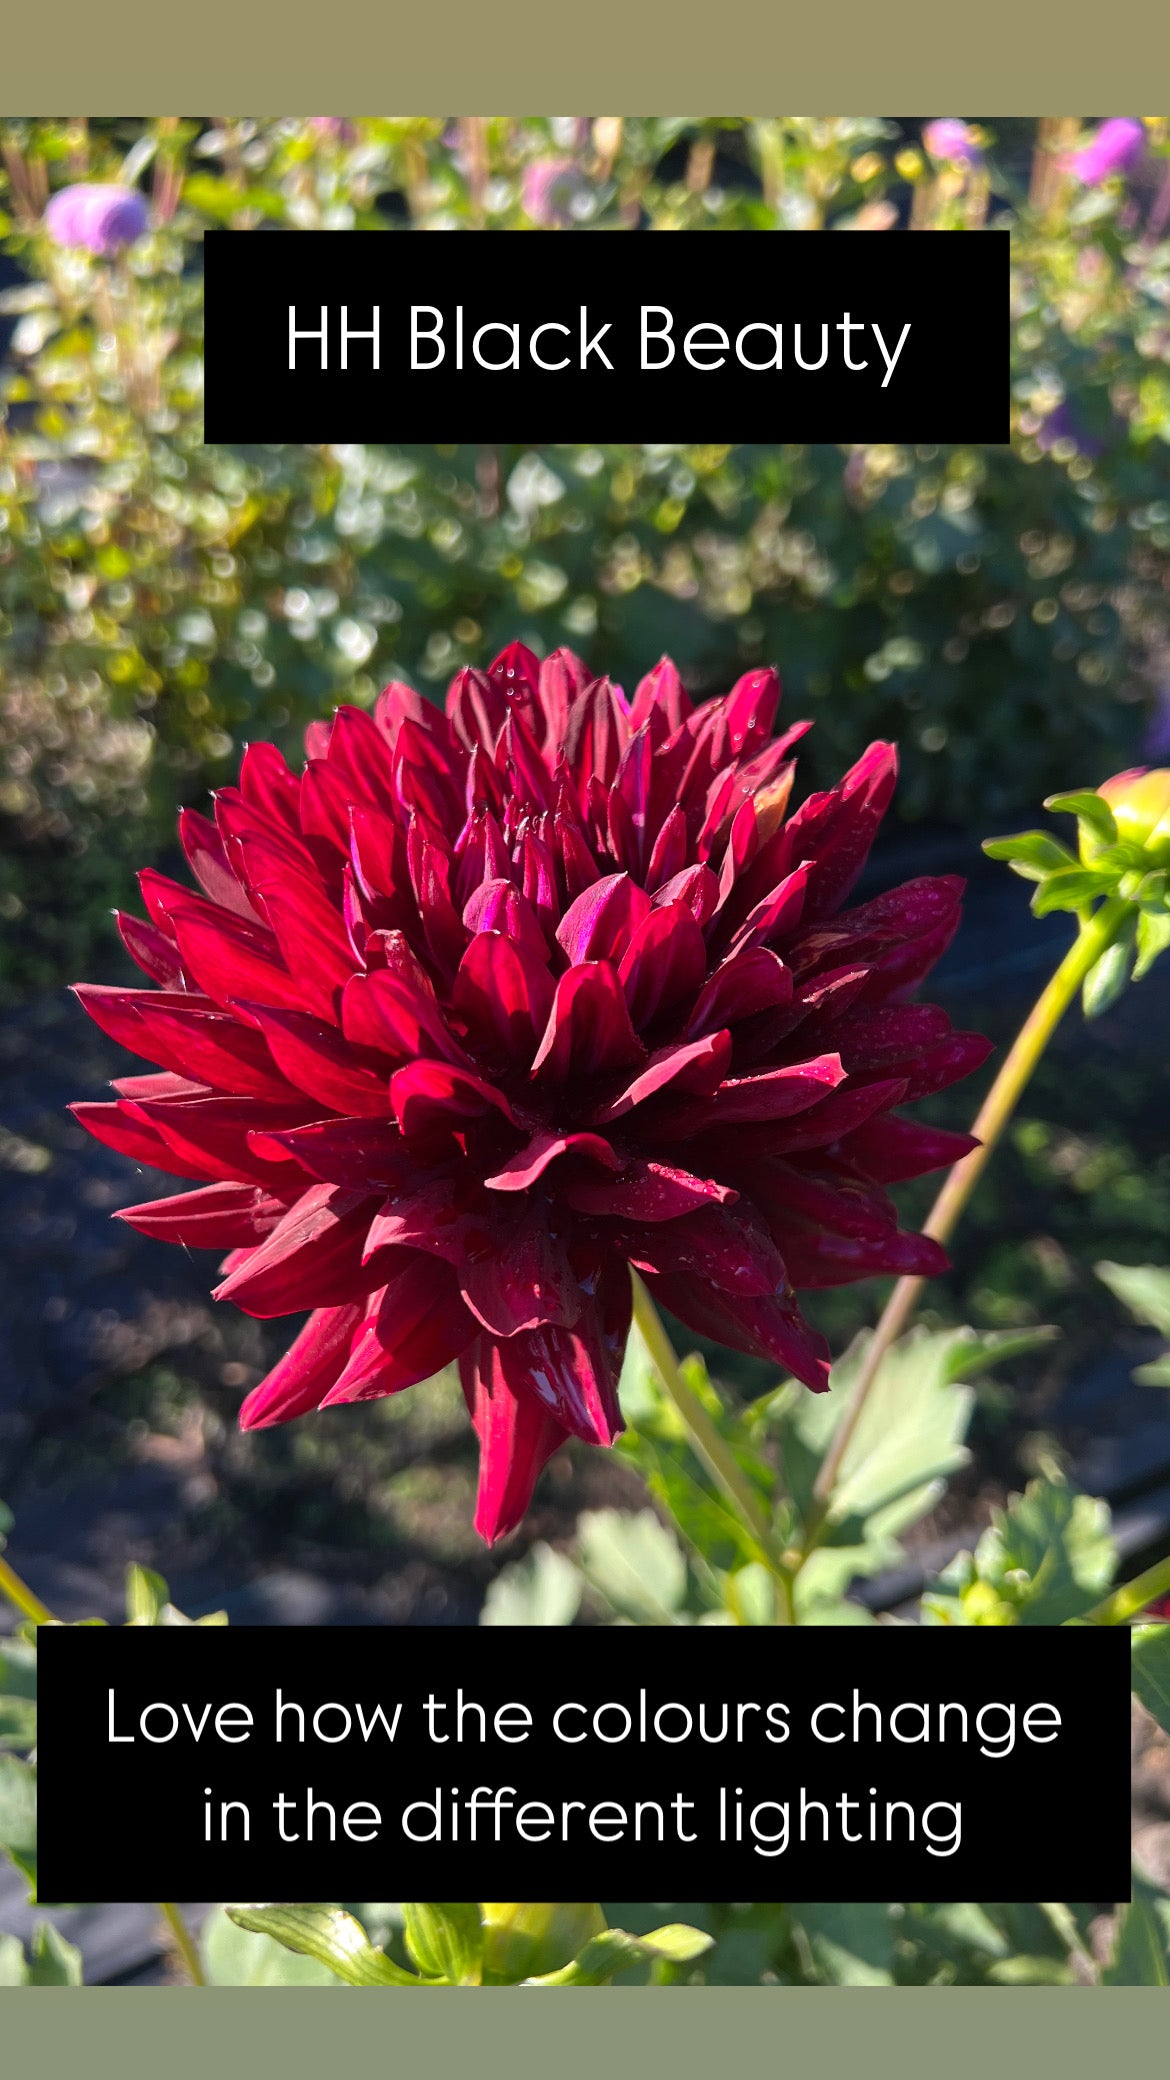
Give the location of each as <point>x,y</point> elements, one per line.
<point>486,1006</point>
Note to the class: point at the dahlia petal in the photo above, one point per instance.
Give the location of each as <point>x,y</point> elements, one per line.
<point>208,861</point>
<point>692,1067</point>
<point>746,983</point>
<point>525,1282</point>
<point>358,751</point>
<point>499,907</point>
<point>266,782</point>
<point>838,829</point>
<point>419,1325</point>
<point>299,1380</point>
<point>751,709</point>
<point>325,805</point>
<point>213,1046</point>
<point>959,1056</point>
<point>396,1019</point>
<point>777,913</point>
<point>312,1258</point>
<point>160,1083</point>
<point>423,776</point>
<point>893,1150</point>
<point>664,962</point>
<point>530,1162</point>
<point>891,1036</point>
<point>436,1212</point>
<point>768,1094</point>
<point>151,950</point>
<point>661,691</point>
<point>216,1133</point>
<point>398,703</point>
<point>822,1127</point>
<point>503,993</point>
<point>119,1014</point>
<point>313,944</point>
<point>696,887</point>
<point>477,708</point>
<point>819,1260</point>
<point>430,1096</point>
<point>569,1373</point>
<point>364,1154</point>
<point>588,1030</point>
<point>669,855</point>
<point>789,1196</point>
<point>227,965</point>
<point>646,1191</point>
<point>221,1216</point>
<point>725,1246</point>
<point>538,880</point>
<point>517,1437</point>
<point>595,737</point>
<point>764,1327</point>
<point>599,925</point>
<point>315,1058</point>
<point>119,1127</point>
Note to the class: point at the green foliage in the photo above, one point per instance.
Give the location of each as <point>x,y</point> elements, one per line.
<point>445,1940</point>
<point>1142,1956</point>
<point>1048,1558</point>
<point>234,1956</point>
<point>1150,1657</point>
<point>162,601</point>
<point>542,1589</point>
<point>328,1935</point>
<point>1145,1290</point>
<point>50,1961</point>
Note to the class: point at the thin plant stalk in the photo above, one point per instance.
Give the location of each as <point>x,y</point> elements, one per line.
<point>20,1595</point>
<point>1133,1597</point>
<point>1094,939</point>
<point>709,1447</point>
<point>184,1942</point>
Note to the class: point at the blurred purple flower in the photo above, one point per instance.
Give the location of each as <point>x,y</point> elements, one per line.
<point>950,142</point>
<point>551,187</point>
<point>102,216</point>
<point>1064,424</point>
<point>1116,148</point>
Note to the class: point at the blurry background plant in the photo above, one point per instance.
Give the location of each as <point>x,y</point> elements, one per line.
<point>1003,612</point>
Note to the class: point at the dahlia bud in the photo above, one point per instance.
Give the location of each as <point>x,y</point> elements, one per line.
<point>525,1938</point>
<point>99,216</point>
<point>1140,801</point>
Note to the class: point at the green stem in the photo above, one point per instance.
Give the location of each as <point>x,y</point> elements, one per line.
<point>1094,939</point>
<point>184,1941</point>
<point>21,1595</point>
<point>708,1446</point>
<point>1132,1597</point>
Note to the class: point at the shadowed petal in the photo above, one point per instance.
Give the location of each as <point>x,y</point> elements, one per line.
<point>419,1325</point>
<point>588,1028</point>
<point>299,1381</point>
<point>517,1438</point>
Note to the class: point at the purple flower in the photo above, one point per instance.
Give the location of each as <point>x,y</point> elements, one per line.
<point>949,142</point>
<point>551,187</point>
<point>339,129</point>
<point>101,216</point>
<point>1116,148</point>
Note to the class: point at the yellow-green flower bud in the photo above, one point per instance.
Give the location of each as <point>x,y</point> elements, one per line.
<point>524,1939</point>
<point>1140,801</point>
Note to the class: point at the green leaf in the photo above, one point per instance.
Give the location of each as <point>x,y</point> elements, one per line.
<point>330,1935</point>
<point>1047,1558</point>
<point>52,1961</point>
<point>1107,978</point>
<point>616,1951</point>
<point>234,1956</point>
<point>542,1589</point>
<point>1070,888</point>
<point>635,1563</point>
<point>1033,854</point>
<point>1143,1288</point>
<point>1150,1670</point>
<point>18,1811</point>
<point>1088,807</point>
<point>6,1522</point>
<point>13,1965</point>
<point>1153,937</point>
<point>851,1944</point>
<point>445,1939</point>
<point>1155,1374</point>
<point>1142,1957</point>
<point>146,1595</point>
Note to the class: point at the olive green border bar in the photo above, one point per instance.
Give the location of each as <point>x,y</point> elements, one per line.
<point>919,2033</point>
<point>294,57</point>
